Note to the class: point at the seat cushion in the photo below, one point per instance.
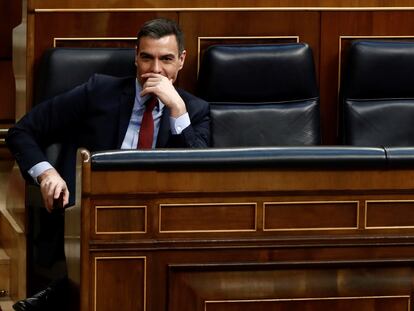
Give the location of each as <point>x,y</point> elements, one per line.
<point>379,122</point>
<point>267,124</point>
<point>261,95</point>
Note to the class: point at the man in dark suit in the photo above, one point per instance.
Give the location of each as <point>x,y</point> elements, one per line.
<point>111,113</point>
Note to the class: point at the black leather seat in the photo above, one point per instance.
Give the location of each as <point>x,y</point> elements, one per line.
<point>261,95</point>
<point>378,94</point>
<point>61,69</point>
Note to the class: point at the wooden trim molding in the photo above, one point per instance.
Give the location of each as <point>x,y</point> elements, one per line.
<point>56,39</point>
<point>215,9</point>
<point>301,206</point>
<point>229,301</point>
<point>220,211</point>
<point>139,221</point>
<point>144,280</point>
<point>383,214</point>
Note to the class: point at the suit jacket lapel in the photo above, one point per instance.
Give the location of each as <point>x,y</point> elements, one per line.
<point>125,110</point>
<point>164,131</point>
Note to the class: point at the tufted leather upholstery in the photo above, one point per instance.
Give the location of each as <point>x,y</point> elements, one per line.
<point>378,94</point>
<point>261,95</point>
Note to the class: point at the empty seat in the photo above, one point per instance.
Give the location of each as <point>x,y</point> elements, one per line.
<point>377,94</point>
<point>261,95</point>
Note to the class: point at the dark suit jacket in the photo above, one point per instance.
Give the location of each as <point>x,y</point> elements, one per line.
<point>95,115</point>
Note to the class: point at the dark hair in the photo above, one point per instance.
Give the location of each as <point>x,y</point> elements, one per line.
<point>161,27</point>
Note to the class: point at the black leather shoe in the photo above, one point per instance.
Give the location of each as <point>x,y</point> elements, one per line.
<point>42,301</point>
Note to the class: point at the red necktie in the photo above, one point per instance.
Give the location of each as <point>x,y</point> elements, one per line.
<point>146,132</point>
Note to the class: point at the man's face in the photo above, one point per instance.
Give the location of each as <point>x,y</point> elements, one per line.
<point>159,56</point>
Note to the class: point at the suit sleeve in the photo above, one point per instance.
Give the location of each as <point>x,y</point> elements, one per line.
<point>197,134</point>
<point>51,121</point>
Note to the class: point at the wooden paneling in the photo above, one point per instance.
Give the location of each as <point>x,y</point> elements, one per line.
<point>7,89</point>
<point>313,304</point>
<point>13,240</point>
<point>289,287</point>
<point>120,219</point>
<point>389,214</point>
<point>199,255</point>
<point>10,16</point>
<point>238,181</point>
<point>118,42</point>
<point>310,215</point>
<point>213,217</point>
<point>129,275</point>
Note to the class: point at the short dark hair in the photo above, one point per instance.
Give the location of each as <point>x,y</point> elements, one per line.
<point>161,27</point>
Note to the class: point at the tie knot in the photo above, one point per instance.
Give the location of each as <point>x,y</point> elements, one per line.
<point>150,103</point>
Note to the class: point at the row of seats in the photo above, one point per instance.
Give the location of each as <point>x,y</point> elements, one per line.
<point>267,95</point>
<point>264,95</point>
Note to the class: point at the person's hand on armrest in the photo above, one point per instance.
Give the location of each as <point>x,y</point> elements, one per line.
<point>52,186</point>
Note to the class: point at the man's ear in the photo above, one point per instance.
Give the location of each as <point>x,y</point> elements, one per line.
<point>182,58</point>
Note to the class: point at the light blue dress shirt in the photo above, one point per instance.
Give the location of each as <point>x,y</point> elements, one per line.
<point>131,137</point>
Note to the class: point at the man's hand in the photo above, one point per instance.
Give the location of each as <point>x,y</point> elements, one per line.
<point>52,186</point>
<point>163,88</point>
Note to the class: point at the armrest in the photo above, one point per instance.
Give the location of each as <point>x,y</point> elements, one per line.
<point>400,156</point>
<point>228,158</point>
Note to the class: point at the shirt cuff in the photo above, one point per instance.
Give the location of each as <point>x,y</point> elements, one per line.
<point>38,169</point>
<point>179,124</point>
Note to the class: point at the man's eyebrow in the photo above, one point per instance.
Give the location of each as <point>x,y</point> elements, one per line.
<point>145,54</point>
<point>168,55</point>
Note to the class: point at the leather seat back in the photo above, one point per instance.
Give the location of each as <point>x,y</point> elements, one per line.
<point>61,69</point>
<point>378,94</point>
<point>261,95</point>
